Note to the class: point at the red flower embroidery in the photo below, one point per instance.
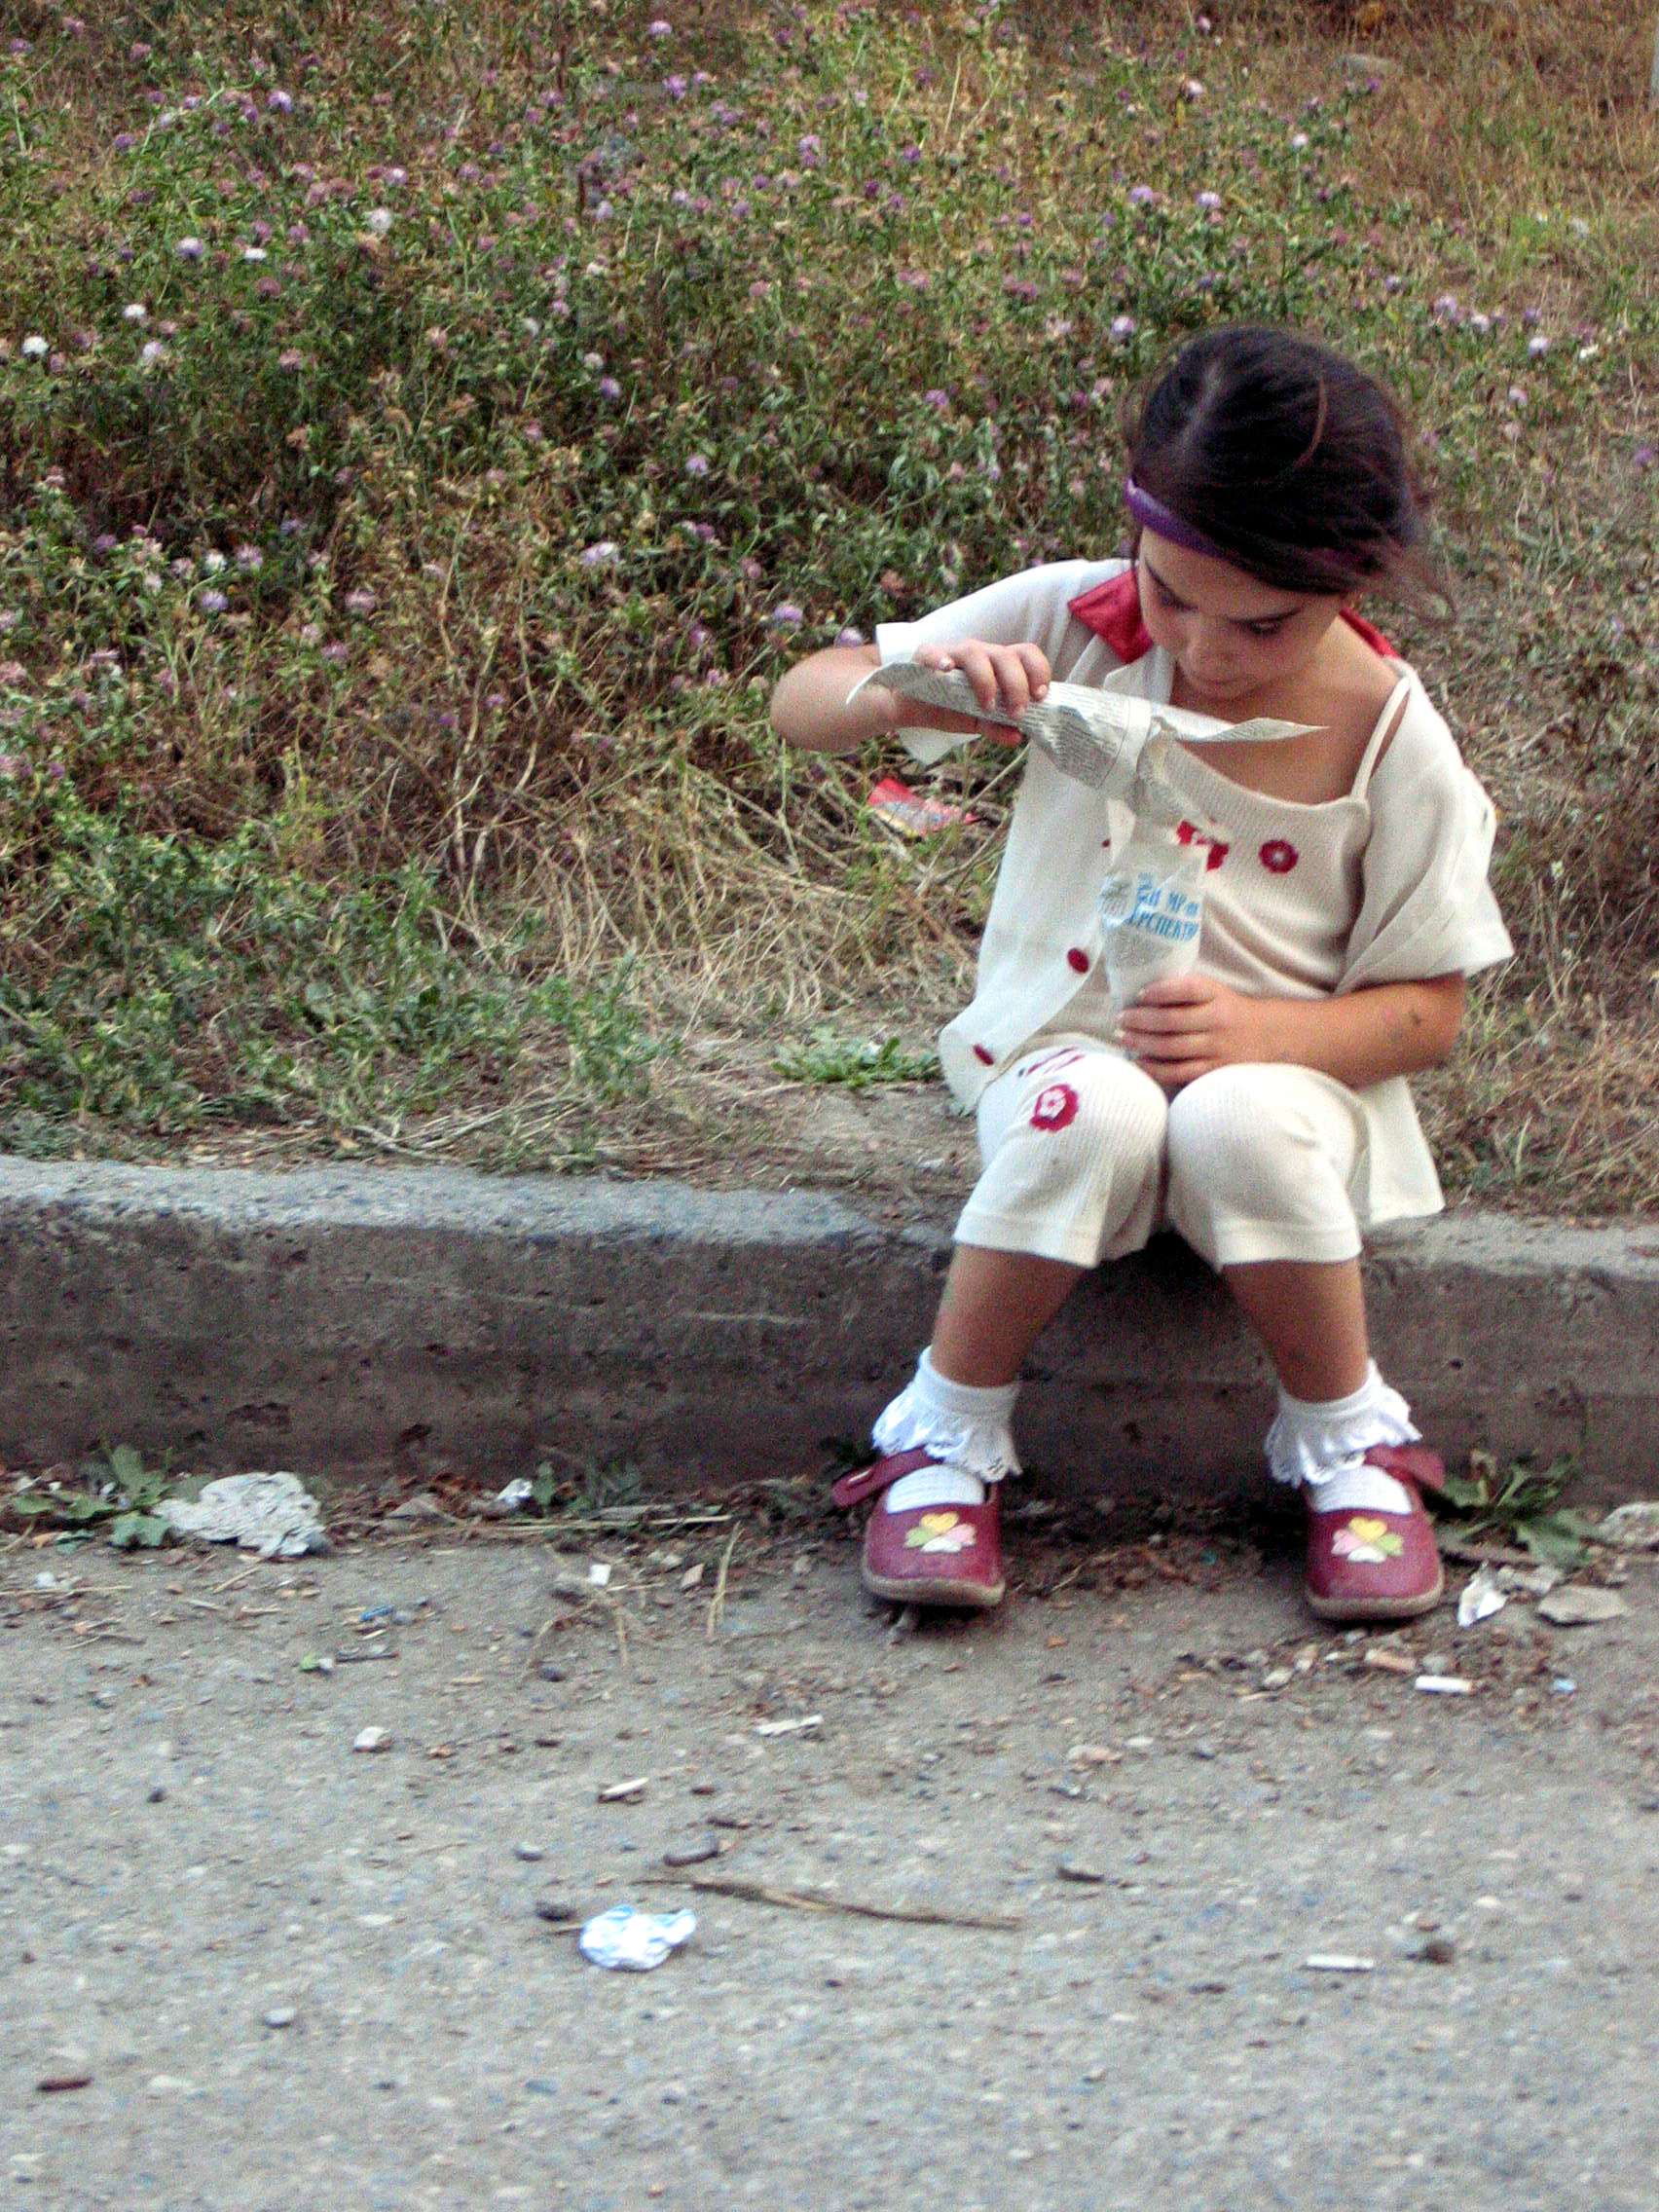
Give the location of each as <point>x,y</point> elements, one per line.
<point>1188,833</point>
<point>1054,1062</point>
<point>1279,856</point>
<point>1055,1107</point>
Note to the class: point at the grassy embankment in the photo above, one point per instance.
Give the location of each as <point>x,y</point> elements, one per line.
<point>425,434</point>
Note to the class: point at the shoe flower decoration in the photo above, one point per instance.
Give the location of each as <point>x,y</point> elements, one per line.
<point>940,1533</point>
<point>1367,1541</point>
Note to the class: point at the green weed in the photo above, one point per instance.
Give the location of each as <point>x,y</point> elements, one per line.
<point>1522,1505</point>
<point>118,1493</point>
<point>855,1063</point>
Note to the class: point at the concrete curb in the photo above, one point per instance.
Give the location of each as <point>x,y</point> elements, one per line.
<point>357,1323</point>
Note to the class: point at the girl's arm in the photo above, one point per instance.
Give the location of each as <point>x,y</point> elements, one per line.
<point>1189,1025</point>
<point>809,706</point>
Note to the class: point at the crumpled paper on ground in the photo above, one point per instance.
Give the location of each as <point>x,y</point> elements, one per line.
<point>1113,741</point>
<point>1633,1527</point>
<point>633,1940</point>
<point>272,1514</point>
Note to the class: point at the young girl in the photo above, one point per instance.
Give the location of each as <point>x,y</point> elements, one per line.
<point>1259,1105</point>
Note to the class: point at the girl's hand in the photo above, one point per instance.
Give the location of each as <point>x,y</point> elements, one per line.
<point>1189,1026</point>
<point>1011,676</point>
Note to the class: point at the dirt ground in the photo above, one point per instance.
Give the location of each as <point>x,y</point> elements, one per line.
<point>266,1970</point>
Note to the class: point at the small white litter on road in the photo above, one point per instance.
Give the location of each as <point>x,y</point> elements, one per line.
<point>272,1514</point>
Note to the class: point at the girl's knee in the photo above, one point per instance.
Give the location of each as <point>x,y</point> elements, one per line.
<point>1120,1110</point>
<point>1233,1126</point>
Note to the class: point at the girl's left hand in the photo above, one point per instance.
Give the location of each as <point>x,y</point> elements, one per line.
<point>1189,1026</point>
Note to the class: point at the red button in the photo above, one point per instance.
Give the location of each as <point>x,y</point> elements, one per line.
<point>1078,959</point>
<point>981,1054</point>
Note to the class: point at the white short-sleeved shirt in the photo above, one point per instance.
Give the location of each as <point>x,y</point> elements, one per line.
<point>1385,884</point>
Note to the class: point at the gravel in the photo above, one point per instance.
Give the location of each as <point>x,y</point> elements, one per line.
<point>1156,2036</point>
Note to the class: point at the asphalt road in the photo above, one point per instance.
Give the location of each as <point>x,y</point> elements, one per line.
<point>292,1974</point>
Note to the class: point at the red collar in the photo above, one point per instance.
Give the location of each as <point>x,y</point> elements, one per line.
<point>1112,611</point>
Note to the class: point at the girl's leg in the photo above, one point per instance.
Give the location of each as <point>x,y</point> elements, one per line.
<point>1073,1142</point>
<point>1260,1164</point>
<point>1310,1316</point>
<point>995,1307</point>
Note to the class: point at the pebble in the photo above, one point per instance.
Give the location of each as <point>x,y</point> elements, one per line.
<point>1339,1962</point>
<point>1203,1748</point>
<point>550,1671</point>
<point>1277,1677</point>
<point>529,1852</point>
<point>154,1794</point>
<point>691,1854</point>
<point>1093,1754</point>
<point>372,1740</point>
<point>1581,1608</point>
<point>1438,1950</point>
<point>559,1911</point>
<point>621,1793</point>
<point>1073,1870</point>
<point>1445,1685</point>
<point>281,2016</point>
<point>674,2094</point>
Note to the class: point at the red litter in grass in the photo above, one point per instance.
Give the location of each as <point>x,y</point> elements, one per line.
<point>909,813</point>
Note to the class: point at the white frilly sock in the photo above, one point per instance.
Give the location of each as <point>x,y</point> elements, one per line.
<point>1321,1443</point>
<point>967,1426</point>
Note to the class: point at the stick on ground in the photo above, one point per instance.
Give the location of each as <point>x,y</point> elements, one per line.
<point>824,1901</point>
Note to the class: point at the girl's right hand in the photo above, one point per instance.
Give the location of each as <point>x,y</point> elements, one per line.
<point>1008,676</point>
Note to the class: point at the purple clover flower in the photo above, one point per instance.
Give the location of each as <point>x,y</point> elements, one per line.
<point>787,617</point>
<point>600,554</point>
<point>280,102</point>
<point>213,601</point>
<point>189,249</point>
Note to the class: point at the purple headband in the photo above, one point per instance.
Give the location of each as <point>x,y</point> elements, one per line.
<point>1151,514</point>
<point>1163,522</point>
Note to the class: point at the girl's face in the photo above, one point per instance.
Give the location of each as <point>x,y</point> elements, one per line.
<point>1229,635</point>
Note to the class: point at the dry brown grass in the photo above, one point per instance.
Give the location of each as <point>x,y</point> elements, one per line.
<point>754,897</point>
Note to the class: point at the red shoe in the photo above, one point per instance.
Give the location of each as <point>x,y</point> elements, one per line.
<point>929,1554</point>
<point>1366,1566</point>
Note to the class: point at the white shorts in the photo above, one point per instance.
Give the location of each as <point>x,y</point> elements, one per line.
<point>1086,1155</point>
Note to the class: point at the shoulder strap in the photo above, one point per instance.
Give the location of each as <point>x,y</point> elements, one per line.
<point>1387,722</point>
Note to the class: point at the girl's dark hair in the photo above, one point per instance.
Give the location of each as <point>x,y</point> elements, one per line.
<point>1294,462</point>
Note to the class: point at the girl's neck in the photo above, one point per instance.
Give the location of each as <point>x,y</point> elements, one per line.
<point>1341,691</point>
<point>1341,668</point>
